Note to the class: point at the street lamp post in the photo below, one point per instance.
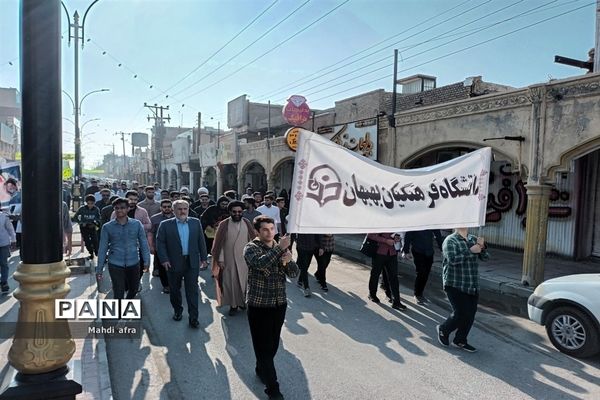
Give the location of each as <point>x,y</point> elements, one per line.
<point>42,345</point>
<point>74,34</point>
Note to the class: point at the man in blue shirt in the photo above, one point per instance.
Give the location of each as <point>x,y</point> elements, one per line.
<point>123,238</point>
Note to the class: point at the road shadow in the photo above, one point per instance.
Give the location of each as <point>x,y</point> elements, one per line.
<point>527,372</point>
<point>290,373</point>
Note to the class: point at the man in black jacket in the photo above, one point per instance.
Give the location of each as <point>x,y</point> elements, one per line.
<point>421,244</point>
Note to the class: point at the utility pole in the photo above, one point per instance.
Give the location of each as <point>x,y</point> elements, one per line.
<point>125,169</point>
<point>159,125</point>
<point>199,137</point>
<point>597,48</point>
<point>268,171</point>
<point>392,118</point>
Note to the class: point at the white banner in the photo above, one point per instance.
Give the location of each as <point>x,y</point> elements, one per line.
<point>338,191</point>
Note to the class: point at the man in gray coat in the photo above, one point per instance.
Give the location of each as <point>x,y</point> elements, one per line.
<point>182,251</point>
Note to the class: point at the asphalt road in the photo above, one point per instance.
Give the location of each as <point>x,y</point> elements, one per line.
<point>338,345</point>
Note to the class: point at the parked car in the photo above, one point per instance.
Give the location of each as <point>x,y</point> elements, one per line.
<point>569,308</point>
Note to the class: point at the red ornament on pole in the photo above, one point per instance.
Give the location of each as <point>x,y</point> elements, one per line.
<point>296,111</point>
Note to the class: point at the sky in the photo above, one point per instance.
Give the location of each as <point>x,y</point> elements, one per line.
<point>326,50</point>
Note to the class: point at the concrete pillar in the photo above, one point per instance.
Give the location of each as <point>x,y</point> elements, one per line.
<point>538,200</point>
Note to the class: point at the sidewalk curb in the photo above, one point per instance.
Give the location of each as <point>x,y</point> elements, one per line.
<point>502,295</point>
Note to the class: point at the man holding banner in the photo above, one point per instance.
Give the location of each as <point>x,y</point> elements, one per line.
<point>461,284</point>
<point>332,182</point>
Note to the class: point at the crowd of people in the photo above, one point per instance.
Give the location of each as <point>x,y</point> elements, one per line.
<point>244,241</point>
<point>246,244</point>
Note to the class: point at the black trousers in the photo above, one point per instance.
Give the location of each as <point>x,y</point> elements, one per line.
<point>389,265</point>
<point>265,329</point>
<point>423,265</point>
<point>322,264</point>
<point>189,276</point>
<point>464,307</point>
<point>90,238</point>
<point>162,272</point>
<point>123,277</point>
<point>209,243</point>
<point>303,262</point>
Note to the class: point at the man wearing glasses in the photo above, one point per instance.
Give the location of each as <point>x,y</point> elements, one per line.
<point>104,199</point>
<point>166,212</point>
<point>123,239</point>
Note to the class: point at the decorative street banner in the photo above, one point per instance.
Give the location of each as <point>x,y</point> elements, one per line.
<point>338,191</point>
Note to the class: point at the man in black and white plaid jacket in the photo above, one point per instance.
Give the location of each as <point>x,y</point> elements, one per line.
<point>268,264</point>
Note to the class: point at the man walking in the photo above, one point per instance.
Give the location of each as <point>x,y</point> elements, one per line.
<point>182,251</point>
<point>8,241</point>
<point>141,215</point>
<point>386,260</point>
<point>229,266</point>
<point>88,217</point>
<point>307,245</point>
<point>203,204</point>
<point>283,213</point>
<point>323,256</point>
<point>268,264</point>
<point>212,217</point>
<point>149,204</point>
<point>93,188</point>
<point>250,212</point>
<point>67,229</point>
<point>421,243</point>
<point>123,190</point>
<point>123,239</point>
<point>166,208</point>
<point>460,276</point>
<point>104,199</point>
<point>271,211</point>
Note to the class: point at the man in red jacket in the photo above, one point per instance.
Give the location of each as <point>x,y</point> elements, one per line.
<point>386,260</point>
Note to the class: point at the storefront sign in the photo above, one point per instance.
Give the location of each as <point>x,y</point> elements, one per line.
<point>291,138</point>
<point>358,136</point>
<point>296,111</point>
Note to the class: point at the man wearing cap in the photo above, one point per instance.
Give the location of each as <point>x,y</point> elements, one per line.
<point>201,192</point>
<point>93,187</point>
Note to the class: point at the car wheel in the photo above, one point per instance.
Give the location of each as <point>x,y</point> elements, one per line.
<point>572,332</point>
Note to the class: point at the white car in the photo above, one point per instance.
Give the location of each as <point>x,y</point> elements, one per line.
<point>569,308</point>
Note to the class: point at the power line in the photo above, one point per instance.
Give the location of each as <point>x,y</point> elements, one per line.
<point>442,35</point>
<point>310,77</point>
<point>387,76</point>
<point>425,51</point>
<point>245,48</point>
<point>269,51</point>
<point>220,49</point>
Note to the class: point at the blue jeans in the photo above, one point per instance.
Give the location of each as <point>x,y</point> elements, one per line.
<point>4,255</point>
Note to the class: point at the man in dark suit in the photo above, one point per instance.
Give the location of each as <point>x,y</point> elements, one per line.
<point>182,251</point>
